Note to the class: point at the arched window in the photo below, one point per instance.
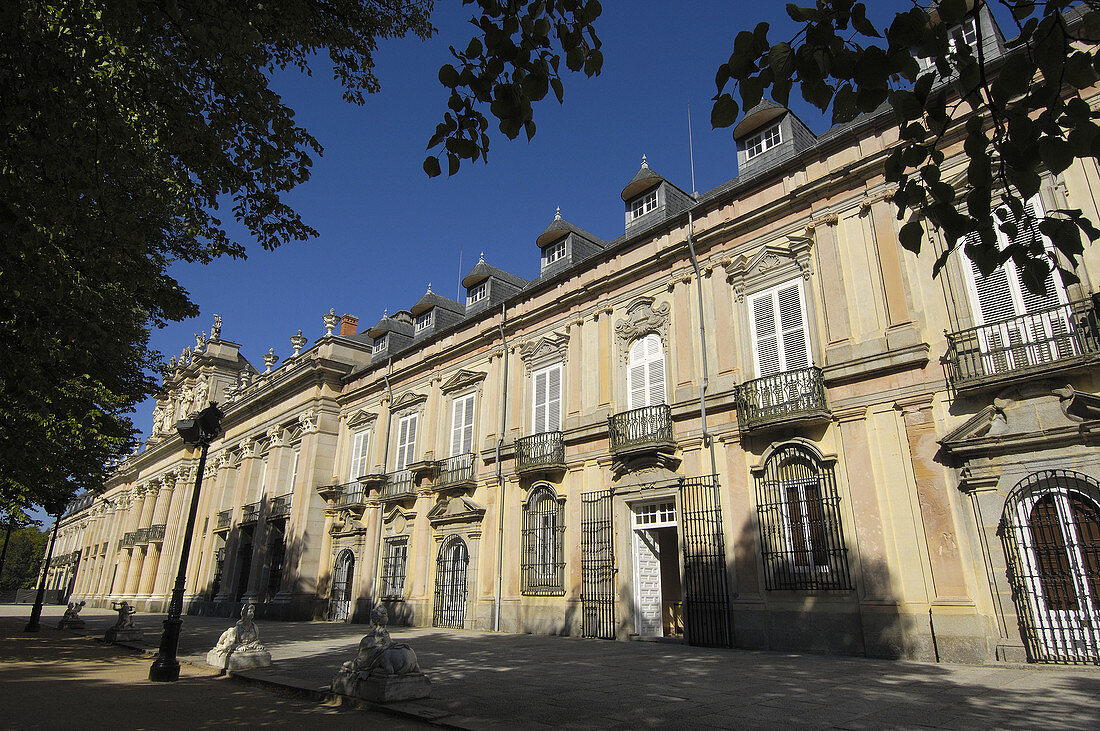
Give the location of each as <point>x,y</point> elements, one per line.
<point>645,377</point>
<point>1051,534</point>
<point>343,576</point>
<point>800,532</point>
<point>450,584</point>
<point>542,563</point>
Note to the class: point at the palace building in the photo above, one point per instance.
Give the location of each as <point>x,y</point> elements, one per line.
<point>750,419</point>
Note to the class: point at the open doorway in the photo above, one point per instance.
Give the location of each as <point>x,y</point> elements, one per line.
<point>658,597</point>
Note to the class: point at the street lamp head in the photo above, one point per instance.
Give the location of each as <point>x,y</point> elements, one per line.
<point>203,427</point>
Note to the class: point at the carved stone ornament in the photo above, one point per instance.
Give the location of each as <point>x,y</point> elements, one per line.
<point>771,265</point>
<point>248,449</point>
<point>308,419</point>
<point>331,320</point>
<point>642,318</point>
<point>544,350</point>
<point>462,379</point>
<point>270,359</point>
<point>275,437</point>
<point>216,330</point>
<point>361,418</point>
<point>297,342</point>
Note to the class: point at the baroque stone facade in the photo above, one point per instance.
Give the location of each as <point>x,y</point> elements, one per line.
<point>889,465</point>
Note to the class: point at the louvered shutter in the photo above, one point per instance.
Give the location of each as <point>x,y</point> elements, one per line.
<point>406,440</point>
<point>553,399</point>
<point>779,330</point>
<point>538,406</point>
<point>764,336</point>
<point>462,425</point>
<point>795,351</point>
<point>646,372</point>
<point>359,454</point>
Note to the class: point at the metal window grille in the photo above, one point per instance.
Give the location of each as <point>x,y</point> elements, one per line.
<point>450,585</point>
<point>276,551</point>
<point>219,567</point>
<point>394,560</point>
<point>542,564</point>
<point>244,560</point>
<point>802,543</point>
<point>597,566</point>
<point>706,592</point>
<point>1051,536</point>
<point>340,599</point>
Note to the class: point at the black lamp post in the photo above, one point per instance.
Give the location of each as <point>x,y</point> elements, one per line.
<point>200,430</point>
<point>55,509</point>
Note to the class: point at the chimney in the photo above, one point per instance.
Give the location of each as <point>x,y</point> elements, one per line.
<point>348,324</point>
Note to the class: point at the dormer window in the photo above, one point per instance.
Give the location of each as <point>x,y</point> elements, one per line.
<point>553,253</point>
<point>969,32</point>
<point>643,205</point>
<point>761,141</point>
<point>424,320</point>
<point>379,344</point>
<point>477,293</point>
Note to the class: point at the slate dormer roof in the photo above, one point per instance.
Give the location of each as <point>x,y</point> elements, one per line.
<point>559,228</point>
<point>757,117</point>
<point>431,299</point>
<point>642,181</point>
<point>400,322</point>
<point>665,199</point>
<point>483,271</point>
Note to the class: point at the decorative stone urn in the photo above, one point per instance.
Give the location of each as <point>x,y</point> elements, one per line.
<point>383,671</point>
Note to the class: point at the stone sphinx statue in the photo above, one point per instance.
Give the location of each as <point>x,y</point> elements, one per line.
<point>71,619</point>
<point>382,670</point>
<point>123,629</point>
<point>239,646</point>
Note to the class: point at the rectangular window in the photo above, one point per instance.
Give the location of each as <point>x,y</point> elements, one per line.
<point>294,468</point>
<point>380,344</point>
<point>553,252</point>
<point>542,566</point>
<point>462,425</point>
<point>424,320</point>
<point>761,141</point>
<point>359,444</point>
<point>394,558</point>
<point>406,442</point>
<point>546,405</point>
<point>777,320</point>
<point>477,293</point>
<point>643,205</point>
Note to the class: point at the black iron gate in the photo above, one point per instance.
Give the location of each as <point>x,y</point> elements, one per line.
<point>706,592</point>
<point>597,566</point>
<point>340,601</point>
<point>1051,536</point>
<point>450,585</point>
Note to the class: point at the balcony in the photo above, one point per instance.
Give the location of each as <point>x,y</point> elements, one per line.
<point>280,506</point>
<point>644,428</point>
<point>225,517</point>
<point>457,471</point>
<point>141,537</point>
<point>350,495</point>
<point>1030,345</point>
<point>540,453</point>
<point>782,399</point>
<point>156,533</point>
<point>398,485</point>
<point>250,513</point>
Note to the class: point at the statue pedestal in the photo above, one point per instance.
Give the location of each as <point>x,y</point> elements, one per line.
<point>126,634</point>
<point>382,688</point>
<point>239,660</point>
<point>73,624</point>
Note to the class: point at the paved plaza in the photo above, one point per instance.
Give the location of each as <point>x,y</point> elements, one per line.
<point>487,680</point>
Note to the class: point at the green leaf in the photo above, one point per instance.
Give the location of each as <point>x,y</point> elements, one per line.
<point>781,60</point>
<point>724,112</point>
<point>431,166</point>
<point>911,235</point>
<point>1056,153</point>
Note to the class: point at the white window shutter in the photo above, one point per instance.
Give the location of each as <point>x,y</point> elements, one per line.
<point>765,338</point>
<point>538,406</point>
<point>462,425</point>
<point>553,399</point>
<point>468,428</point>
<point>795,351</point>
<point>406,440</point>
<point>646,372</point>
<point>359,453</point>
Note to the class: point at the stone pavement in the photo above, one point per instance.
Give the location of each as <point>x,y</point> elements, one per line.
<point>487,680</point>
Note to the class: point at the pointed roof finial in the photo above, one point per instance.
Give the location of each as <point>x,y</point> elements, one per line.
<point>557,214</point>
<point>429,288</point>
<point>644,163</point>
<point>481,260</point>
<point>385,313</point>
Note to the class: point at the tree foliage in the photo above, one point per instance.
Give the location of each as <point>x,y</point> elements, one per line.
<point>1018,116</point>
<point>23,557</point>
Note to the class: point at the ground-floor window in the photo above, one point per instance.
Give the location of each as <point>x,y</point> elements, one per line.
<point>1051,534</point>
<point>542,563</point>
<point>276,551</point>
<point>800,529</point>
<point>394,558</point>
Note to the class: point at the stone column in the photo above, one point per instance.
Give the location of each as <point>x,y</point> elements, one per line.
<point>605,358</point>
<point>722,340</point>
<point>889,260</point>
<point>126,557</point>
<point>683,331</point>
<point>838,325</point>
<point>137,556</point>
<point>153,552</point>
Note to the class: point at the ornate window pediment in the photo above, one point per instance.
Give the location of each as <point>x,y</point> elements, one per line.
<point>456,510</point>
<point>397,520</point>
<point>462,379</point>
<point>770,266</point>
<point>408,401</point>
<point>545,350</point>
<point>361,419</point>
<point>643,316</point>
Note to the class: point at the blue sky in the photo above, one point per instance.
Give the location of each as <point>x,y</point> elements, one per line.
<point>387,230</point>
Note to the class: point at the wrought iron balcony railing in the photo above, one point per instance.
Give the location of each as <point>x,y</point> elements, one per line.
<point>398,484</point>
<point>781,397</point>
<point>644,427</point>
<point>280,506</point>
<point>156,533</point>
<point>250,513</point>
<point>540,450</point>
<point>350,494</point>
<point>129,539</point>
<point>456,470</point>
<point>1021,345</point>
<point>141,537</point>
<point>225,517</point>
